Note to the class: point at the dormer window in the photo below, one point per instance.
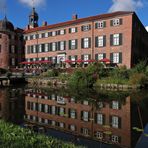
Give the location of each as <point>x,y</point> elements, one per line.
<point>86,27</point>
<point>100,24</point>
<point>116,22</point>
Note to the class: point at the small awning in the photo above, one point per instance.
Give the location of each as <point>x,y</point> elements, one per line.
<point>69,61</point>
<point>90,61</point>
<point>79,61</point>
<point>104,60</point>
<point>26,63</point>
<point>42,62</point>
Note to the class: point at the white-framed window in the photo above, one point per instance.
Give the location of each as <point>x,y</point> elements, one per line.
<point>100,104</point>
<point>116,22</point>
<point>40,48</point>
<point>85,131</point>
<point>40,107</point>
<point>116,39</point>
<point>46,47</point>
<point>73,30</point>
<point>99,135</point>
<point>115,138</point>
<point>115,121</point>
<point>86,57</point>
<point>46,108</point>
<point>73,113</point>
<point>53,59</point>
<point>53,95</point>
<point>34,36</point>
<point>40,36</point>
<point>46,35</point>
<point>100,41</point>
<point>85,27</point>
<point>53,123</point>
<point>53,110</point>
<point>61,125</point>
<point>99,119</point>
<point>34,118</point>
<point>115,104</point>
<point>73,58</point>
<point>85,102</point>
<point>12,49</point>
<point>62,111</point>
<point>54,46</point>
<point>72,127</point>
<point>62,45</point>
<point>85,116</point>
<point>46,121</point>
<point>13,61</point>
<point>34,106</point>
<point>115,57</point>
<point>40,120</point>
<point>100,24</point>
<point>100,56</point>
<point>40,59</point>
<point>86,42</point>
<point>34,59</point>
<point>46,58</point>
<point>73,44</point>
<point>28,117</point>
<point>54,33</point>
<point>28,37</point>
<point>62,32</point>
<point>34,48</point>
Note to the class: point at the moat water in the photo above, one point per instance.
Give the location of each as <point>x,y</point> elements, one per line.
<point>93,118</point>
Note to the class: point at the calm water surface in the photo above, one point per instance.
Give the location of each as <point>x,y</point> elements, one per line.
<point>91,118</point>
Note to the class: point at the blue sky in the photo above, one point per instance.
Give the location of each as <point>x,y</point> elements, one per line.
<point>54,11</point>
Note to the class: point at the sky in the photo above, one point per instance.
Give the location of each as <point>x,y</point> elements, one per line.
<point>55,11</point>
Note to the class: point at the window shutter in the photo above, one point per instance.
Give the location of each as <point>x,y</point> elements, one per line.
<point>76,29</point>
<point>82,43</point>
<point>104,40</point>
<point>111,22</point>
<point>89,56</point>
<point>96,56</point>
<point>104,24</point>
<point>89,27</point>
<point>95,117</point>
<point>89,43</point>
<point>64,31</point>
<point>121,21</point>
<point>76,57</point>
<point>110,121</point>
<point>96,25</point>
<point>81,115</point>
<point>119,139</point>
<point>82,28</point>
<point>82,57</point>
<point>104,120</point>
<point>50,46</point>
<point>96,41</point>
<point>76,44</point>
<point>104,55</point>
<point>58,45</point>
<point>120,105</point>
<point>111,57</point>
<point>120,57</point>
<point>69,57</point>
<point>120,39</point>
<point>69,44</point>
<point>111,39</point>
<point>69,30</point>
<point>119,122</point>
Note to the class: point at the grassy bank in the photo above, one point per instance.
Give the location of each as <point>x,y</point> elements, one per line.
<point>12,136</point>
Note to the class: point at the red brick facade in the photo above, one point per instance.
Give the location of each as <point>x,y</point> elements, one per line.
<point>115,34</point>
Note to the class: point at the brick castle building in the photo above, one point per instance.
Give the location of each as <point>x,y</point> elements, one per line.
<point>11,45</point>
<point>118,36</point>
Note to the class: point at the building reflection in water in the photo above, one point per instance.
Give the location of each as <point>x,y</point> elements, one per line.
<point>11,105</point>
<point>106,120</point>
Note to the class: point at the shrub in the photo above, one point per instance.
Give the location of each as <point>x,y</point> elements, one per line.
<point>49,73</point>
<point>138,78</point>
<point>63,76</point>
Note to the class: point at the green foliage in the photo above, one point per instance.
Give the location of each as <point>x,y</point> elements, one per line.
<point>50,73</point>
<point>63,77</point>
<point>15,137</point>
<point>138,78</point>
<point>140,67</point>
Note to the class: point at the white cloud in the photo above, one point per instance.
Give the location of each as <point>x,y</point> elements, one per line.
<point>36,3</point>
<point>146,28</point>
<point>125,5</point>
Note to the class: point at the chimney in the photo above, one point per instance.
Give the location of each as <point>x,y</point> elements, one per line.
<point>44,23</point>
<point>74,17</point>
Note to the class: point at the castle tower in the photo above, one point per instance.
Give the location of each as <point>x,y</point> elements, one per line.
<point>33,19</point>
